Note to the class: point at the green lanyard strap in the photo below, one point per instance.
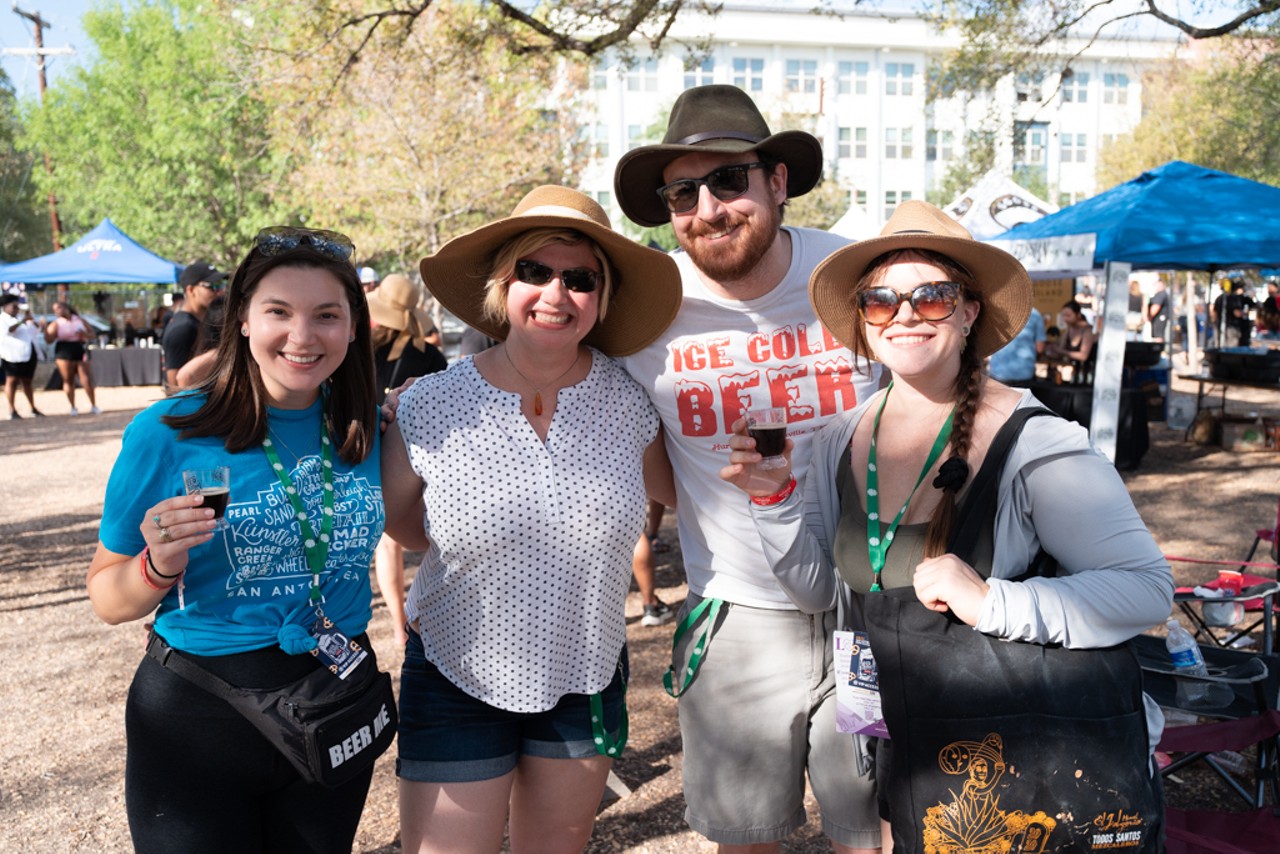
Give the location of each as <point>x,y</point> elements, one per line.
<point>316,548</point>
<point>878,541</point>
<point>699,649</point>
<point>605,744</point>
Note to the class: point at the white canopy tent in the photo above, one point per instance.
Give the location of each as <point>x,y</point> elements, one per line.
<point>996,204</point>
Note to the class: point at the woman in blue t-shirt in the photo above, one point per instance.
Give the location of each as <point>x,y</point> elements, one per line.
<point>289,408</point>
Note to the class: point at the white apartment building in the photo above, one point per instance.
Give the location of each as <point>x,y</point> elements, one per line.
<point>857,81</point>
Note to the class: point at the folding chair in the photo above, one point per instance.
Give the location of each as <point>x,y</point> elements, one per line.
<point>1204,831</point>
<point>1259,596</point>
<point>1270,535</point>
<point>1245,690</point>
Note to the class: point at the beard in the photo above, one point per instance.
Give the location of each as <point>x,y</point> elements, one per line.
<point>735,260</point>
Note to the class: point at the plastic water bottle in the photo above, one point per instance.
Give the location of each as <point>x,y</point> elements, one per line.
<point>1187,660</point>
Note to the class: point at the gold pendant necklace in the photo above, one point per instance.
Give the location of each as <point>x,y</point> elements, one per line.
<point>537,390</point>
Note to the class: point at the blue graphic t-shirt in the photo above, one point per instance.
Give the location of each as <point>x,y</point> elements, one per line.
<point>251,580</point>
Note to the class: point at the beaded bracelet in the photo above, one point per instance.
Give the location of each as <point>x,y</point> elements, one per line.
<point>147,562</point>
<point>777,498</point>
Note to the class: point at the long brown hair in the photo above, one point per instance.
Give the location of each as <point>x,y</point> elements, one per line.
<point>236,404</point>
<point>968,384</point>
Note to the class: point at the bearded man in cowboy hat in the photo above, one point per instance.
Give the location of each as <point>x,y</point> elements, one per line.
<point>757,709</point>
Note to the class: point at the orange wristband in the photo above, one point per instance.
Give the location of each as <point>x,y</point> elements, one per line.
<point>145,562</point>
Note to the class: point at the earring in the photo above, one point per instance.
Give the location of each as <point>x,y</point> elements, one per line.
<point>964,330</point>
<point>351,339</point>
<point>244,330</point>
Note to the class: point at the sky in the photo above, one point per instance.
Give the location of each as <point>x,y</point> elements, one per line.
<point>16,31</point>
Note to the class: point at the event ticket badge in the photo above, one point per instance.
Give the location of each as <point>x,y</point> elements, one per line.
<point>335,650</point>
<point>857,686</point>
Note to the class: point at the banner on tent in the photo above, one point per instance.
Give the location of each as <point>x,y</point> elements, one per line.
<point>1068,255</point>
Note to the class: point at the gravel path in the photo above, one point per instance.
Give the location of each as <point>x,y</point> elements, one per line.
<point>66,674</point>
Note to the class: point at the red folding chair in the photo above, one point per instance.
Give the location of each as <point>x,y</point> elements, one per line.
<point>1259,595</point>
<point>1270,535</point>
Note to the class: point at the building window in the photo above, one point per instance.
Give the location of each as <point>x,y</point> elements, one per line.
<point>1115,88</point>
<point>802,76</point>
<point>599,139</point>
<point>599,76</point>
<point>1029,87</point>
<point>1029,143</point>
<point>898,144</point>
<point>893,198</point>
<point>939,145</point>
<point>860,143</point>
<point>1073,148</point>
<point>748,74</point>
<point>860,196</point>
<point>899,78</point>
<point>702,74</point>
<point>1075,87</point>
<point>643,76</point>
<point>851,78</point>
<point>604,198</point>
<point>635,136</point>
<point>844,143</point>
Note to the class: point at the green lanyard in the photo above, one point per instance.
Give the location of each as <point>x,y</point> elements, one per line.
<point>605,744</point>
<point>317,548</point>
<point>878,542</point>
<point>699,648</point>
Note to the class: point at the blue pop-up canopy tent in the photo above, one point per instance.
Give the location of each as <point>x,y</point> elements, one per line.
<point>1176,217</point>
<point>105,254</point>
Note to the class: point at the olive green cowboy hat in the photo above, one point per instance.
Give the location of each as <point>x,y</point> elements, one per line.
<point>1002,282</point>
<point>711,119</point>
<point>646,283</point>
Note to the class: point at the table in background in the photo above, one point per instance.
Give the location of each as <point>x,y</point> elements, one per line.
<point>119,366</point>
<point>1075,403</point>
<point>1203,380</point>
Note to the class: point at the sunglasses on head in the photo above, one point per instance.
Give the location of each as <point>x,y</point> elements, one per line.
<point>578,279</point>
<point>278,239</point>
<point>725,183</point>
<point>933,301</point>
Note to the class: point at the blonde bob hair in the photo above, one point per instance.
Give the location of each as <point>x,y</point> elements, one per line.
<point>503,268</point>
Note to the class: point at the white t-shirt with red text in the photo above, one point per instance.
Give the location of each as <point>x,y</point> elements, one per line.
<point>718,359</point>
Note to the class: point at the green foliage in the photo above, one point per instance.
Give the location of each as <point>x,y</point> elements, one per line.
<point>25,230</point>
<point>1218,113</point>
<point>159,134</point>
<point>979,159</point>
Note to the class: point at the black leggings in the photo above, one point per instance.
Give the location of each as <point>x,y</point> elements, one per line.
<point>200,778</point>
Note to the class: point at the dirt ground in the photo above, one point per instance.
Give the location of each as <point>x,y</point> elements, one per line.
<point>66,673</point>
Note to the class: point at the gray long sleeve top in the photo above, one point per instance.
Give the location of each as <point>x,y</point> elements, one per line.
<point>1056,491</point>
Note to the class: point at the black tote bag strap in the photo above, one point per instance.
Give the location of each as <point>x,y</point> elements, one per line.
<point>978,512</point>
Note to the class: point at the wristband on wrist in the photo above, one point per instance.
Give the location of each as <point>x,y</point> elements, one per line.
<point>778,497</point>
<point>146,563</point>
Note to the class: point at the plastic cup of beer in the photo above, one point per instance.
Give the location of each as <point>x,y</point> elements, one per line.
<point>215,485</point>
<point>769,428</point>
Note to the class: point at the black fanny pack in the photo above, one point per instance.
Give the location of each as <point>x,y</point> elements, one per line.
<point>329,729</point>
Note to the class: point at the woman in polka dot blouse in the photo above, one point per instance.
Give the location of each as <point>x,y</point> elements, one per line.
<point>520,472</point>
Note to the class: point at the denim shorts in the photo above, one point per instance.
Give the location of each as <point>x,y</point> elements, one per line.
<point>448,736</point>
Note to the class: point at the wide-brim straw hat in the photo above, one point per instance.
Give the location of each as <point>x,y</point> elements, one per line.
<point>1000,280</point>
<point>646,283</point>
<point>395,303</point>
<point>711,119</point>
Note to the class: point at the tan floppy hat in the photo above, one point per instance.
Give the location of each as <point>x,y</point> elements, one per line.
<point>646,288</point>
<point>1001,280</point>
<point>711,119</point>
<point>395,304</point>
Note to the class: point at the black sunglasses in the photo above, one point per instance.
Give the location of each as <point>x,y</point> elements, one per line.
<point>278,239</point>
<point>725,183</point>
<point>578,279</point>
<point>933,301</point>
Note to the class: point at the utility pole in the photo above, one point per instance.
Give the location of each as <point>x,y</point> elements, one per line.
<point>40,53</point>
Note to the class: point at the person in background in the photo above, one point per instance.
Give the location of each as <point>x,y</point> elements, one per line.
<point>201,282</point>
<point>1076,338</point>
<point>201,366</point>
<point>290,409</point>
<point>70,336</point>
<point>400,351</point>
<point>1158,312</point>
<point>758,712</point>
<point>1015,363</point>
<point>656,612</point>
<point>524,466</point>
<point>368,278</point>
<point>930,303</point>
<point>18,336</point>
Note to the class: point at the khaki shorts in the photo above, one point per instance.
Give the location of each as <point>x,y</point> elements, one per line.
<point>760,713</point>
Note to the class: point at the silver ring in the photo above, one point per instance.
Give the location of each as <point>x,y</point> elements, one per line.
<point>165,536</point>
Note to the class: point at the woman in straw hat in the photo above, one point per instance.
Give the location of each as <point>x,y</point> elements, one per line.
<point>888,478</point>
<point>400,350</point>
<point>520,471</point>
